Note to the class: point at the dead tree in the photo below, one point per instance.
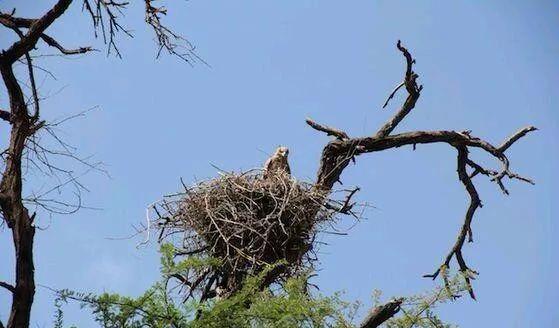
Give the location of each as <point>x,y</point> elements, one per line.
<point>338,153</point>
<point>24,118</point>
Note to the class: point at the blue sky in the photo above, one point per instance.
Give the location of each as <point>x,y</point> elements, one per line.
<point>486,66</point>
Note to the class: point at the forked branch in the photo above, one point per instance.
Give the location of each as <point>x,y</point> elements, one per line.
<point>337,154</point>
<point>14,23</point>
<point>410,82</point>
<point>475,203</point>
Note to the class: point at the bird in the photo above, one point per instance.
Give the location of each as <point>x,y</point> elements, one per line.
<point>277,163</point>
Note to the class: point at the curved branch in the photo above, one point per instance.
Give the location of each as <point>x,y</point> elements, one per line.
<point>392,94</point>
<point>517,135</point>
<point>475,203</point>
<point>341,135</point>
<point>413,94</point>
<point>53,43</point>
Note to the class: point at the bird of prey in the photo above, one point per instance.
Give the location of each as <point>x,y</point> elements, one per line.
<point>277,163</point>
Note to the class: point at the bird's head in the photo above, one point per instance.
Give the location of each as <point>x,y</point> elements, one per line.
<point>282,151</point>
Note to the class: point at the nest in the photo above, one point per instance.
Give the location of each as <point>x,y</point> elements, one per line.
<point>247,221</point>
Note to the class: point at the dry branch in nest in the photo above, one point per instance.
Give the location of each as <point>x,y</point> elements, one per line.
<point>247,222</point>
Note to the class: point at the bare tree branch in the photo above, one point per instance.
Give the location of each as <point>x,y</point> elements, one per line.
<point>167,39</point>
<point>337,154</point>
<point>475,203</point>
<point>7,286</point>
<point>328,130</point>
<point>53,43</point>
<point>413,94</point>
<point>392,94</point>
<point>34,91</point>
<point>14,23</point>
<point>35,31</point>
<point>5,115</point>
<point>517,135</point>
<point>348,205</point>
<point>479,169</point>
<point>11,21</point>
<point>105,18</point>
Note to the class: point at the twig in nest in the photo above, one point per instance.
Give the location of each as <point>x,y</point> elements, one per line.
<point>248,221</point>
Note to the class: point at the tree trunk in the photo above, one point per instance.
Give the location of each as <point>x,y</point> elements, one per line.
<point>15,213</point>
<point>23,234</point>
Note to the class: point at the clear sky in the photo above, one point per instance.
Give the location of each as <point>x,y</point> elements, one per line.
<point>488,66</point>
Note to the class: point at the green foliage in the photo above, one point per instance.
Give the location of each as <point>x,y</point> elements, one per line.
<point>287,306</point>
<point>290,307</point>
<point>59,314</point>
<point>170,267</point>
<point>419,310</point>
<point>152,309</point>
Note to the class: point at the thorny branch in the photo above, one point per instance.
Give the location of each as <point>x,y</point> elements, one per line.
<point>337,154</point>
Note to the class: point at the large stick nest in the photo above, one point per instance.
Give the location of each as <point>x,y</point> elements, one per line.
<point>246,221</point>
